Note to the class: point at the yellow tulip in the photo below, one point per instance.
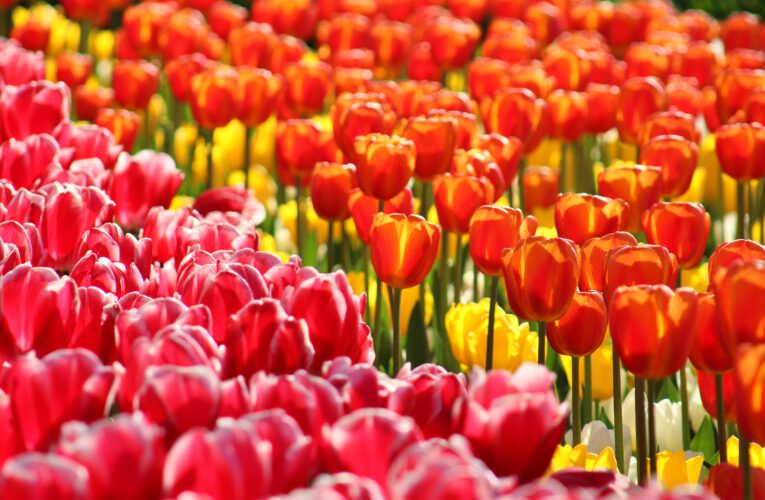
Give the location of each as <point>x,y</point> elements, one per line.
<point>157,110</point>
<point>455,80</point>
<point>695,191</point>
<point>409,298</point>
<point>602,380</point>
<point>674,469</point>
<point>756,453</point>
<point>696,278</point>
<point>265,138</point>
<point>261,183</point>
<point>547,153</point>
<point>467,327</point>
<point>268,244</point>
<point>578,456</point>
<point>180,201</point>
<point>184,144</point>
<point>709,163</point>
<point>102,44</point>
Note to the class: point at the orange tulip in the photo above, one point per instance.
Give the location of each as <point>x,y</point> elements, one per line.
<point>465,126</point>
<point>510,48</point>
<point>122,124</point>
<point>457,197</point>
<point>601,101</point>
<point>285,51</point>
<point>569,69</point>
<point>343,31</point>
<point>494,228</point>
<point>726,254</point>
<point>531,76</point>
<point>733,87</point>
<point>390,41</point>
<point>214,97</point>
<point>472,9</point>
<point>452,41</point>
<point>626,25</point>
<point>638,265</point>
<point>518,113</point>
<point>506,151</point>
<point>413,93</point>
<point>447,100</point>
<point>684,96</point>
<point>355,115</point>
<point>182,70</point>
<point>183,33</point>
<point>258,92</point>
<point>740,31</point>
<point>749,379</point>
<point>540,277</point>
<point>568,115</point>
<point>384,164</point>
<point>582,328</point>
<point>740,296</point>
<point>224,17</point>
<point>580,217</point>
<point>639,98</point>
<point>134,83</point>
<point>296,17</point>
<point>73,68</point>
<point>708,352</point>
<point>434,139</point>
<point>741,150</point>
<point>638,185</point>
<point>668,123</point>
<point>594,252</point>
<point>307,85</point>
<point>645,59</point>
<point>545,20</point>
<point>486,76</point>
<point>699,62</point>
<point>754,108</point>
<point>421,65</point>
<point>331,186</point>
<point>94,11</point>
<point>143,24</point>
<point>299,147</point>
<point>540,187</point>
<point>250,44</point>
<point>652,328</point>
<point>403,248</point>
<point>681,227</point>
<point>677,159</point>
<point>745,59</point>
<point>88,101</point>
<point>363,209</point>
<point>479,163</point>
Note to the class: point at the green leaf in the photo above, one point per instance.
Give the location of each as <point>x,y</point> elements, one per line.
<point>668,391</point>
<point>310,249</point>
<point>416,338</point>
<point>704,440</point>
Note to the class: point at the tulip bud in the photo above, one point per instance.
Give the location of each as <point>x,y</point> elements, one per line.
<point>457,197</point>
<point>677,158</point>
<point>540,188</point>
<point>740,291</point>
<point>632,265</point>
<point>121,123</point>
<point>580,217</point>
<point>434,139</point>
<point>384,164</point>
<point>214,97</point>
<point>708,352</point>
<point>741,150</point>
<point>331,187</point>
<point>681,227</point>
<point>750,394</point>
<point>638,185</point>
<point>250,44</point>
<point>73,69</point>
<point>363,209</point>
<point>582,328</point>
<point>639,98</point>
<point>134,83</point>
<point>728,253</point>
<point>494,228</point>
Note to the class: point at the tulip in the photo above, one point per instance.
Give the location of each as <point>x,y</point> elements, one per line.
<point>677,158</point>
<point>517,112</point>
<point>532,77</point>
<point>142,25</point>
<point>33,108</point>
<point>88,11</point>
<point>25,239</point>
<point>356,115</point>
<point>645,59</point>
<point>741,150</point>
<point>23,162</point>
<point>479,163</point>
<point>73,69</point>
<point>214,97</point>
<point>638,185</point>
<point>708,391</point>
<point>497,403</point>
<point>21,66</point>
<point>384,164</point>
<point>452,41</point>
<point>568,115</point>
<point>631,265</point>
<point>639,98</point>
<point>727,253</point>
<point>494,228</point>
<point>568,68</point>
<point>40,475</point>
<point>390,40</point>
<point>457,197</point>
<point>727,482</point>
<point>582,328</point>
<point>434,140</point>
<point>740,291</point>
<point>180,71</point>
<point>733,88</point>
<point>87,101</point>
<point>211,237</point>
<point>299,145</point>
<point>258,91</point>
<point>681,227</point>
<point>486,76</point>
<point>540,187</point>
<point>134,83</point>
<point>33,35</point>
<point>739,30</point>
<point>668,123</point>
<point>160,226</point>
<point>121,123</point>
<point>749,394</point>
<point>363,209</point>
<point>250,43</point>
<point>224,17</point>
<point>151,175</point>
<point>306,87</point>
<point>580,217</point>
<point>602,102</point>
<point>506,151</point>
<point>331,187</point>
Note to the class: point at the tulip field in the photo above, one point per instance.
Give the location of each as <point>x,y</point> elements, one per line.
<point>382,249</point>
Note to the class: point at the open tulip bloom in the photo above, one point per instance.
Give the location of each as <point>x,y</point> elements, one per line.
<point>382,249</point>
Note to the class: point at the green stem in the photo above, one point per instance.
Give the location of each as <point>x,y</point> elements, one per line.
<point>684,409</point>
<point>378,310</point>
<point>541,343</point>
<point>740,210</point>
<point>745,466</point>
<point>564,180</point>
<point>424,193</point>
<point>345,247</point>
<point>618,423</point>
<point>365,264</point>
<point>458,270</point>
<point>521,169</point>
<point>642,458</point>
<point>329,245</point>
<point>490,333</point>
<point>576,423</point>
<point>722,445</point>
<point>443,270</point>
<point>249,133</point>
<point>84,36</point>
<point>587,392</point>
<point>148,141</point>
<point>299,215</point>
<point>395,309</point>
<point>208,136</point>
<point>652,426</point>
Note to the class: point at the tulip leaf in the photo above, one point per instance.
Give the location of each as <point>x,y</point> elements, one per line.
<point>668,391</point>
<point>416,338</point>
<point>704,440</point>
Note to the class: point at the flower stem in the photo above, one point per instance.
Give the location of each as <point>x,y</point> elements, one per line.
<point>208,136</point>
<point>684,409</point>
<point>642,459</point>
<point>329,245</point>
<point>740,210</point>
<point>458,270</point>
<point>345,247</point>
<point>521,169</point>
<point>299,215</point>
<point>587,390</point>
<point>541,345</point>
<point>395,307</point>
<point>722,447</point>
<point>365,264</point>
<point>618,423</point>
<point>651,396</point>
<point>490,334</point>
<point>576,423</point>
<point>744,463</point>
<point>84,36</point>
<point>249,133</point>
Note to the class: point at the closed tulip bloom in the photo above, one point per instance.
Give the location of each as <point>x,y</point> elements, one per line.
<point>708,352</point>
<point>33,35</point>
<point>358,114</point>
<point>541,275</point>
<point>651,327</point>
<point>384,164</point>
<point>755,106</point>
<point>421,66</point>
<point>180,72</point>
<point>580,217</point>
<point>250,43</point>
<point>307,85</point>
<point>299,147</point>
<point>363,209</point>
<point>214,97</point>
<point>452,40</point>
<point>465,126</point>
<point>531,77</point>
<point>707,391</point>
<point>733,88</point>
<point>224,17</point>
<point>331,186</point>
<point>568,68</point>
<point>486,76</point>
<point>390,41</point>
<point>88,102</point>
<point>506,152</point>
<point>677,158</point>
<point>602,101</point>
<point>258,93</point>
<point>44,475</point>
<point>639,98</point>
<point>285,51</point>
<point>684,96</point>
<point>457,197</point>
<point>510,48</point>
<point>593,256</point>
<point>669,123</point>
<point>296,18</point>
<point>73,69</point>
<point>582,328</point>
<point>494,228</point>
<point>434,140</point>
<point>540,187</point>
<point>739,292</point>
<point>645,59</point>
<point>479,163</point>
<point>134,83</point>
<point>728,253</point>
<point>741,150</point>
<point>638,265</point>
<point>568,115</point>
<point>403,248</point>
<point>638,185</point>
<point>23,162</point>
<point>739,30</point>
<point>517,112</point>
<point>699,62</point>
<point>123,125</point>
<point>681,227</point>
<point>750,392</point>
<point>38,107</point>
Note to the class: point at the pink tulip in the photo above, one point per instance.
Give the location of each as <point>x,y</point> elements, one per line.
<point>160,227</point>
<point>24,206</point>
<point>35,475</point>
<point>85,172</point>
<point>234,398</point>
<point>10,443</point>
<point>26,238</point>
<point>343,485</point>
<point>19,66</point>
<point>9,257</point>
<point>111,277</point>
<point>108,240</point>
<point>33,108</point>
<point>23,161</point>
<point>94,328</point>
<point>212,237</point>
<point>231,199</point>
<point>143,181</point>
<point>82,142</point>
<point>362,385</point>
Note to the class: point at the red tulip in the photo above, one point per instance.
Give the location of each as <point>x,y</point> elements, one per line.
<point>214,97</point>
<point>434,139</point>
<point>739,30</point>
<point>494,228</point>
<point>726,481</point>
<point>741,150</point>
<point>699,62</point>
<point>213,236</point>
<point>639,98</point>
<point>452,40</point>
<point>384,164</point>
<point>638,185</point>
<point>497,403</point>
<point>677,158</point>
<point>531,77</point>
<point>134,83</point>
<point>465,126</point>
<point>727,253</point>
<point>733,88</point>
<point>391,41</point>
<point>582,328</point>
<point>224,17</point>
<point>486,76</point>
<point>184,32</point>
<point>33,35</point>
<point>160,226</point>
<point>568,68</point>
<point>540,187</point>
<point>363,209</point>
<point>684,96</point>
<point>331,188</point>
<point>355,115</point>
<point>25,238</point>
<point>132,466</point>
<point>457,197</point>
<point>479,163</point>
<point>681,227</point>
<point>258,91</point>
<point>750,392</point>
<point>708,394</point>
<point>121,123</point>
<point>530,269</point>
<point>708,352</point>
<point>23,162</point>
<point>180,72</point>
<point>652,328</point>
<point>506,152</point>
<point>143,23</point>
<point>633,265</point>
<point>285,50</point>
<point>645,59</point>
<point>518,113</point>
<point>568,115</point>
<point>230,202</point>
<point>307,85</point>
<point>668,123</point>
<point>32,108</point>
<point>73,69</point>
<point>92,11</point>
<point>38,475</point>
<point>89,101</point>
<point>580,217</point>
<point>740,291</point>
